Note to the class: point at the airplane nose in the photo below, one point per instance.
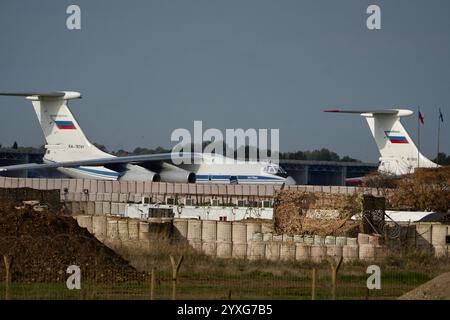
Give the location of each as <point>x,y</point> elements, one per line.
<point>290,181</point>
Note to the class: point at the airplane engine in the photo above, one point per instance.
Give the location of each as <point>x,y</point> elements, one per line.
<point>137,173</point>
<point>171,173</point>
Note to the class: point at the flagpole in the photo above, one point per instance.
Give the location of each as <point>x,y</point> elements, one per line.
<point>418,138</point>
<point>439,136</point>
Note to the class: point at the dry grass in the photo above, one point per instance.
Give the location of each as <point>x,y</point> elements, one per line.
<point>157,256</point>
<point>292,207</point>
<point>424,190</point>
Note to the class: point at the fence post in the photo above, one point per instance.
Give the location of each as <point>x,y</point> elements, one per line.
<point>152,285</point>
<point>335,265</point>
<point>313,284</point>
<point>8,260</point>
<point>175,269</point>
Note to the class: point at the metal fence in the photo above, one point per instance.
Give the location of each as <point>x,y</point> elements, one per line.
<point>81,267</point>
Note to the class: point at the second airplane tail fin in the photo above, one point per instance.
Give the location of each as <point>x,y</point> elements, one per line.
<point>399,154</point>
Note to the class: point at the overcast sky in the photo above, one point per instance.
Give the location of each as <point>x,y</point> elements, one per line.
<point>146,68</point>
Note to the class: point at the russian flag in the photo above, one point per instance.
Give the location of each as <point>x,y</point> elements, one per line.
<point>65,125</point>
<point>421,118</point>
<point>394,137</point>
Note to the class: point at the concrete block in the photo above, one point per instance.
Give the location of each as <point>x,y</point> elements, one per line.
<point>90,208</point>
<point>367,252</point>
<point>287,238</point>
<point>277,237</point>
<point>209,248</point>
<point>350,253</point>
<point>318,253</point>
<point>302,252</point>
<point>115,187</point>
<point>239,250</point>
<point>319,240</point>
<point>122,208</point>
<point>287,251</point>
<point>98,208</point>
<point>196,245</point>
<point>252,227</point>
<point>272,251</point>
<point>256,250</point>
<point>334,251</point>
<point>267,236</point>
<point>115,197</point>
<point>114,208</point>
<point>106,207</point>
<point>438,234</point>
<point>224,249</point>
<point>99,226</point>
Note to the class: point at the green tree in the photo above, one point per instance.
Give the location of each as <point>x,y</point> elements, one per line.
<point>317,155</point>
<point>349,159</point>
<point>101,147</point>
<point>442,159</point>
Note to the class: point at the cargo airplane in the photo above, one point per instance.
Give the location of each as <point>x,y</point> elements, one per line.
<point>399,154</point>
<point>70,152</point>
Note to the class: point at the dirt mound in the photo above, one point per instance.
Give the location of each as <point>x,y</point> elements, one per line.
<point>43,244</point>
<point>436,289</point>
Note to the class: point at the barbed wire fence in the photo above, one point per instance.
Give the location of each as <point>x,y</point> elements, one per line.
<point>42,268</point>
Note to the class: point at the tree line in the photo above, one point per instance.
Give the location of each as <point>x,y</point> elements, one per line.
<point>317,155</point>
<point>323,154</point>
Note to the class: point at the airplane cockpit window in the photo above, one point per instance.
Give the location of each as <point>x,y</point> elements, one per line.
<point>270,170</point>
<point>282,172</point>
<point>275,170</point>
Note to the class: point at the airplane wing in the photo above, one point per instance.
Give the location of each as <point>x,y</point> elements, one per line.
<point>139,159</point>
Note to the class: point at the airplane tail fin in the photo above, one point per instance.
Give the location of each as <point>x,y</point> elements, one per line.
<point>399,154</point>
<point>65,139</point>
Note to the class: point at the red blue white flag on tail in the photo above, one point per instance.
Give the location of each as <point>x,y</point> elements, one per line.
<point>396,137</point>
<point>65,125</point>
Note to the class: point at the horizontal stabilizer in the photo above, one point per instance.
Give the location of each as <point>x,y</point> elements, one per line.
<point>29,94</point>
<point>390,112</point>
<point>65,95</point>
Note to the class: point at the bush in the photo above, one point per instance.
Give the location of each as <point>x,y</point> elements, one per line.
<point>424,190</point>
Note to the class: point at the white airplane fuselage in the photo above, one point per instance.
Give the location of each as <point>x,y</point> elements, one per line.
<point>213,169</point>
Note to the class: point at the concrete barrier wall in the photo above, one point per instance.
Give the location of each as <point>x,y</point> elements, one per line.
<point>231,240</point>
<point>132,191</point>
<point>426,236</point>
